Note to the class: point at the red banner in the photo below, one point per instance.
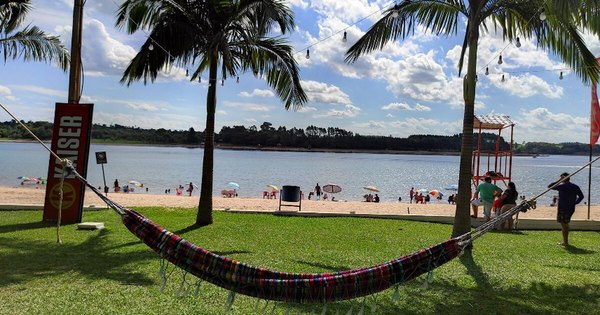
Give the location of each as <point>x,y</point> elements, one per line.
<point>71,140</point>
<point>595,116</point>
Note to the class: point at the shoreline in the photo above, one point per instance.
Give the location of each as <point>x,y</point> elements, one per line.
<point>30,196</point>
<point>271,149</point>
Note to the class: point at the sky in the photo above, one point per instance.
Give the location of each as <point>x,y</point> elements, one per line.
<point>410,87</point>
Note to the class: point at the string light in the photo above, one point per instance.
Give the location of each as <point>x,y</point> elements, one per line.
<point>543,15</point>
<point>503,78</point>
<point>187,72</point>
<point>151,47</point>
<point>307,54</point>
<point>561,76</point>
<point>518,43</point>
<point>345,38</point>
<point>237,80</point>
<point>500,60</point>
<point>487,70</point>
<point>222,82</point>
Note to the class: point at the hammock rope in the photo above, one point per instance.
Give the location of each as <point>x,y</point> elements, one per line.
<point>273,285</point>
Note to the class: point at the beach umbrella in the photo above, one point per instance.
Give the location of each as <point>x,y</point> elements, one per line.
<point>272,188</point>
<point>135,183</point>
<point>27,179</point>
<point>233,185</point>
<point>436,193</point>
<point>332,188</point>
<point>42,180</point>
<point>423,191</point>
<point>371,188</point>
<point>452,187</point>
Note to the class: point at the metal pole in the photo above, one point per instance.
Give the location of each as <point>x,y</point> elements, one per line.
<point>589,185</point>
<point>104,178</point>
<point>75,69</point>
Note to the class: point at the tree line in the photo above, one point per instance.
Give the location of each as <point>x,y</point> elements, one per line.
<point>312,137</point>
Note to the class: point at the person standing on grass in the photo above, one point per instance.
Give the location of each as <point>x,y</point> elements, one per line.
<point>569,195</point>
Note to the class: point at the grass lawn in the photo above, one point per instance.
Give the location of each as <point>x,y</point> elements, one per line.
<point>111,272</point>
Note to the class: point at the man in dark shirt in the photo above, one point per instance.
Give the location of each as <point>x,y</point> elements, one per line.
<point>569,195</point>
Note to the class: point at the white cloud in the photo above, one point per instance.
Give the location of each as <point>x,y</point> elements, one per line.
<point>319,92</point>
<point>544,125</point>
<point>349,111</point>
<point>102,54</point>
<point>258,93</point>
<point>404,106</point>
<point>41,90</point>
<point>527,85</point>
<point>251,107</point>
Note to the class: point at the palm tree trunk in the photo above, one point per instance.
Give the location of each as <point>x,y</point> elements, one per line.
<point>462,219</point>
<point>204,216</point>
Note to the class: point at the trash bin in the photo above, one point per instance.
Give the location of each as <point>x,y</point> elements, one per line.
<point>290,193</point>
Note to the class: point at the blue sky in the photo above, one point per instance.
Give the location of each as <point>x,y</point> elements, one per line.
<point>410,87</point>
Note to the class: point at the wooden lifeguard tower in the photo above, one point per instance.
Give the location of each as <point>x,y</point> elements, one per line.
<point>492,159</point>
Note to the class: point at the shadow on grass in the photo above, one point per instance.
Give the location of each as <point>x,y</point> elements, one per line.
<point>93,258</point>
<point>578,251</point>
<point>188,228</point>
<point>24,226</point>
<point>449,297</point>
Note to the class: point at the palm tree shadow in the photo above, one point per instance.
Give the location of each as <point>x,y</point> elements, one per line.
<point>188,228</point>
<point>93,258</point>
<point>474,270</point>
<point>24,226</point>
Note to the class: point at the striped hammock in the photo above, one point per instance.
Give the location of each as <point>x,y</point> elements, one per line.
<point>281,286</point>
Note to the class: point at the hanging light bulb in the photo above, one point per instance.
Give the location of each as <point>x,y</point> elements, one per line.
<point>561,76</point>
<point>199,79</point>
<point>503,78</point>
<point>307,54</point>
<point>543,15</point>
<point>395,12</point>
<point>222,82</point>
<point>187,72</point>
<point>500,60</point>
<point>237,80</point>
<point>345,38</point>
<point>151,47</point>
<point>487,70</point>
<point>476,78</point>
<point>518,43</point>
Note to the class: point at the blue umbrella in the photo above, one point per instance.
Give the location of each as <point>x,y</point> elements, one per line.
<point>233,185</point>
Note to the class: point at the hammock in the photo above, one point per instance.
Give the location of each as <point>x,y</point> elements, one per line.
<point>281,286</point>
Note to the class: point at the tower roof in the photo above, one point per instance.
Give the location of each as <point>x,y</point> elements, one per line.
<point>492,121</point>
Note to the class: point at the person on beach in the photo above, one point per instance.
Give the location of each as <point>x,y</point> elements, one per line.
<point>411,194</point>
<point>116,185</point>
<point>569,195</point>
<point>376,198</point>
<point>485,193</point>
<point>190,188</point>
<point>508,201</point>
<point>318,191</point>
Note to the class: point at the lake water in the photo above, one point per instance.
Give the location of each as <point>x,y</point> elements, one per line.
<point>160,168</point>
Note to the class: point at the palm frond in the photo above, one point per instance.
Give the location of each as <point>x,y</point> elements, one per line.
<point>32,44</point>
<point>401,21</point>
<point>13,13</point>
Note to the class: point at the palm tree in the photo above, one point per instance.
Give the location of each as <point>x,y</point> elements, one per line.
<point>227,37</point>
<point>31,43</point>
<point>559,32</point>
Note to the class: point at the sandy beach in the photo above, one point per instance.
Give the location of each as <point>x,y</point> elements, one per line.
<point>33,196</point>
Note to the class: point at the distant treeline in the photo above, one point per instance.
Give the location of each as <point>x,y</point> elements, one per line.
<point>294,138</point>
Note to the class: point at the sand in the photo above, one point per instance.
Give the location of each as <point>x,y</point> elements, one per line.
<point>32,196</point>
